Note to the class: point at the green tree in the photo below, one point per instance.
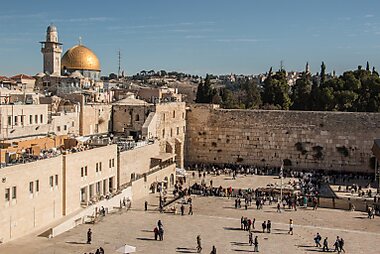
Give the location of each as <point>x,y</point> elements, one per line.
<point>301,93</point>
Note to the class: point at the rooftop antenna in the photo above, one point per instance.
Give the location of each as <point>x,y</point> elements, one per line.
<point>80,40</point>
<point>119,61</point>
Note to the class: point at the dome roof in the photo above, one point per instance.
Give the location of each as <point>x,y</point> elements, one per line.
<point>80,57</point>
<point>52,28</point>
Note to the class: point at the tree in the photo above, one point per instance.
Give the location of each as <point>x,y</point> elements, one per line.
<point>205,92</point>
<point>301,93</point>
<point>323,73</point>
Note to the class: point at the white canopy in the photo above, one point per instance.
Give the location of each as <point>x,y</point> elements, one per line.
<point>82,139</point>
<point>125,249</point>
<point>181,172</point>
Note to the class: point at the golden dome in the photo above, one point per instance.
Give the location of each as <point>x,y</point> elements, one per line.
<point>80,57</point>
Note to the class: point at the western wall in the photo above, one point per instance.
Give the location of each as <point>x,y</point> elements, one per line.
<point>338,141</point>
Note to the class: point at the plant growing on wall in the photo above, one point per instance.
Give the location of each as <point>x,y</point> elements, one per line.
<point>343,150</point>
<point>318,152</point>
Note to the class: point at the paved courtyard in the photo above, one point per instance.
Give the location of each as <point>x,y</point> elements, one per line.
<point>218,223</point>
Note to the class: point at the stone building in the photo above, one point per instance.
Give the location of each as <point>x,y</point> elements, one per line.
<point>165,122</point>
<point>72,184</point>
<point>22,121</point>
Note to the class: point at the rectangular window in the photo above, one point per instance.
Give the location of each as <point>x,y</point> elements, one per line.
<point>22,120</point>
<point>41,118</point>
<point>9,120</point>
<point>36,119</point>
<point>81,172</point>
<point>113,162</point>
<point>37,185</point>
<point>98,188</point>
<point>173,113</point>
<point>171,132</point>
<point>56,180</point>
<point>31,189</point>
<point>7,194</point>
<point>51,181</point>
<point>16,120</point>
<point>100,166</point>
<point>72,124</point>
<point>163,133</point>
<point>97,167</point>
<point>85,170</point>
<point>177,130</point>
<point>109,163</point>
<point>183,115</point>
<point>65,127</point>
<point>163,116</point>
<point>58,128</point>
<point>14,192</point>
<point>30,119</point>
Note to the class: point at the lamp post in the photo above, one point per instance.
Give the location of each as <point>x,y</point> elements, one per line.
<point>281,176</point>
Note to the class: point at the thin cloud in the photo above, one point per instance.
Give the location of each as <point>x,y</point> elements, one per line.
<point>368,16</point>
<point>85,20</point>
<point>20,16</point>
<point>232,40</point>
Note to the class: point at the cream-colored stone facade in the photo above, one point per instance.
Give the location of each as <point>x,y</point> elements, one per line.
<point>30,197</point>
<point>171,128</point>
<point>36,194</point>
<point>23,121</point>
<point>65,123</point>
<point>136,161</point>
<point>95,119</point>
<point>306,140</point>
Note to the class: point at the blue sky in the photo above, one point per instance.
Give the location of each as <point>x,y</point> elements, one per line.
<point>197,36</point>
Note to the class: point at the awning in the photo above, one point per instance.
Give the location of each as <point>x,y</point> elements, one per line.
<point>82,139</point>
<point>181,172</point>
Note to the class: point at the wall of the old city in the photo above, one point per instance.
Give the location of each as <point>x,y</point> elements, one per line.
<point>306,140</point>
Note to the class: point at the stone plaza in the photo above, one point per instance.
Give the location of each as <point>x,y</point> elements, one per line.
<point>218,223</point>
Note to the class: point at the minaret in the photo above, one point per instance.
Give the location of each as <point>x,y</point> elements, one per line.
<point>52,50</point>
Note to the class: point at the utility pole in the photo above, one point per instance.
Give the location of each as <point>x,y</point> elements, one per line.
<point>282,177</point>
<point>119,63</point>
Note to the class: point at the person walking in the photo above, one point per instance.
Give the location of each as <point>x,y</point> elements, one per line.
<point>199,244</point>
<point>191,209</point>
<point>182,210</point>
<point>213,251</point>
<point>253,223</point>
<point>264,226</point>
<point>161,233</point>
<point>146,205</point>
<point>269,226</point>
<point>256,244</point>
<point>291,225</point>
<point>278,207</point>
<point>156,233</point>
<point>89,236</point>
<point>341,245</point>
<point>337,245</point>
<point>317,240</point>
<point>325,245</point>
<point>250,238</point>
